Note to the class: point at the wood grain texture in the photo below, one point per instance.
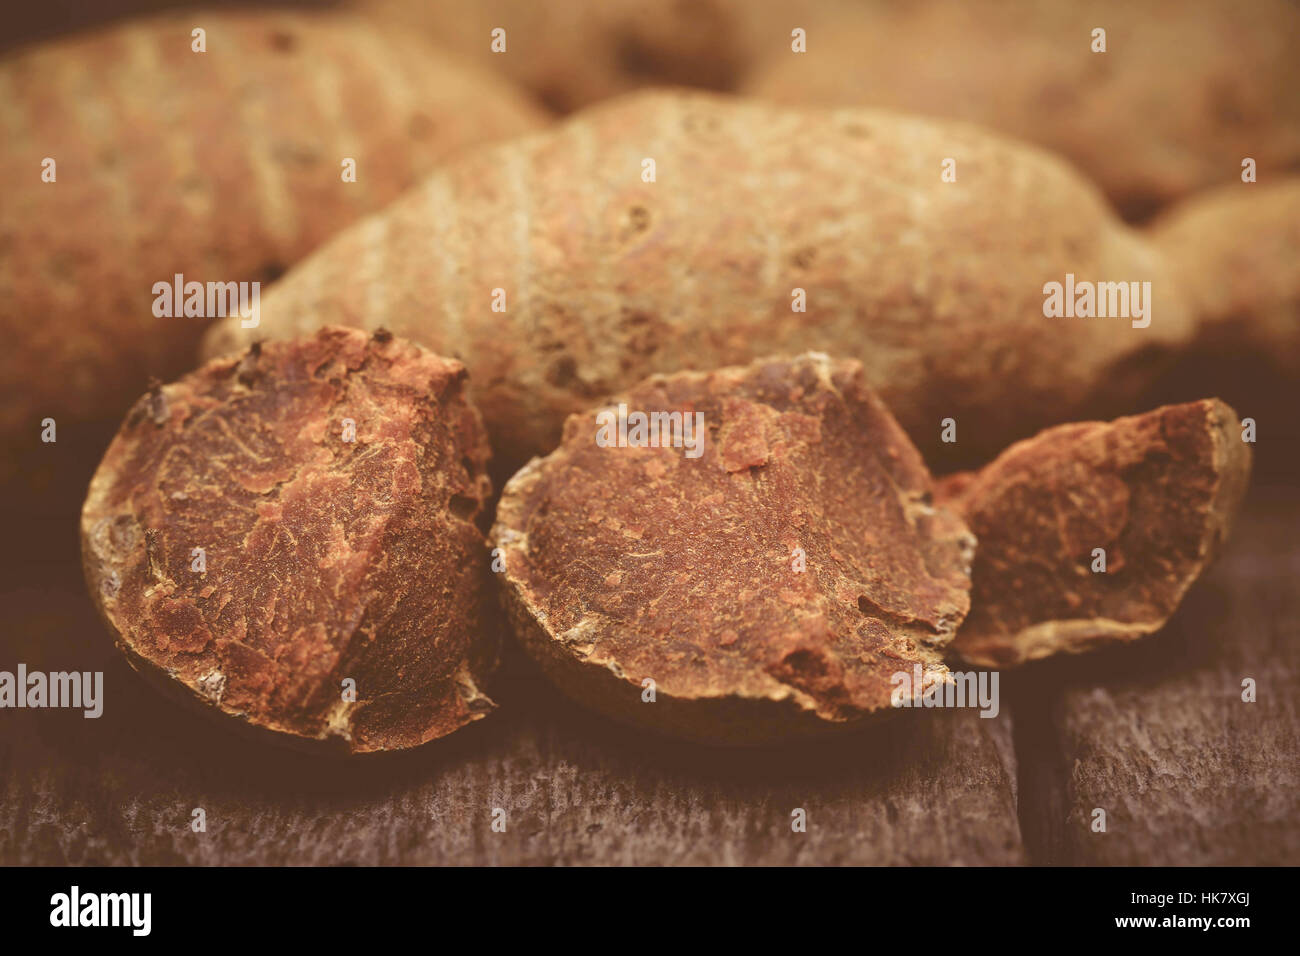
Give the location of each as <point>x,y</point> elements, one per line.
<point>576,789</point>
<point>1157,733</point>
<point>1154,732</point>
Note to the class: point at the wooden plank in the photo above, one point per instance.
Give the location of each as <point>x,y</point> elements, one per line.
<point>1154,733</point>
<point>1157,734</point>
<point>928,787</point>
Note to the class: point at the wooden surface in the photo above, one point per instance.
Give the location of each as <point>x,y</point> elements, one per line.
<point>1156,734</point>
